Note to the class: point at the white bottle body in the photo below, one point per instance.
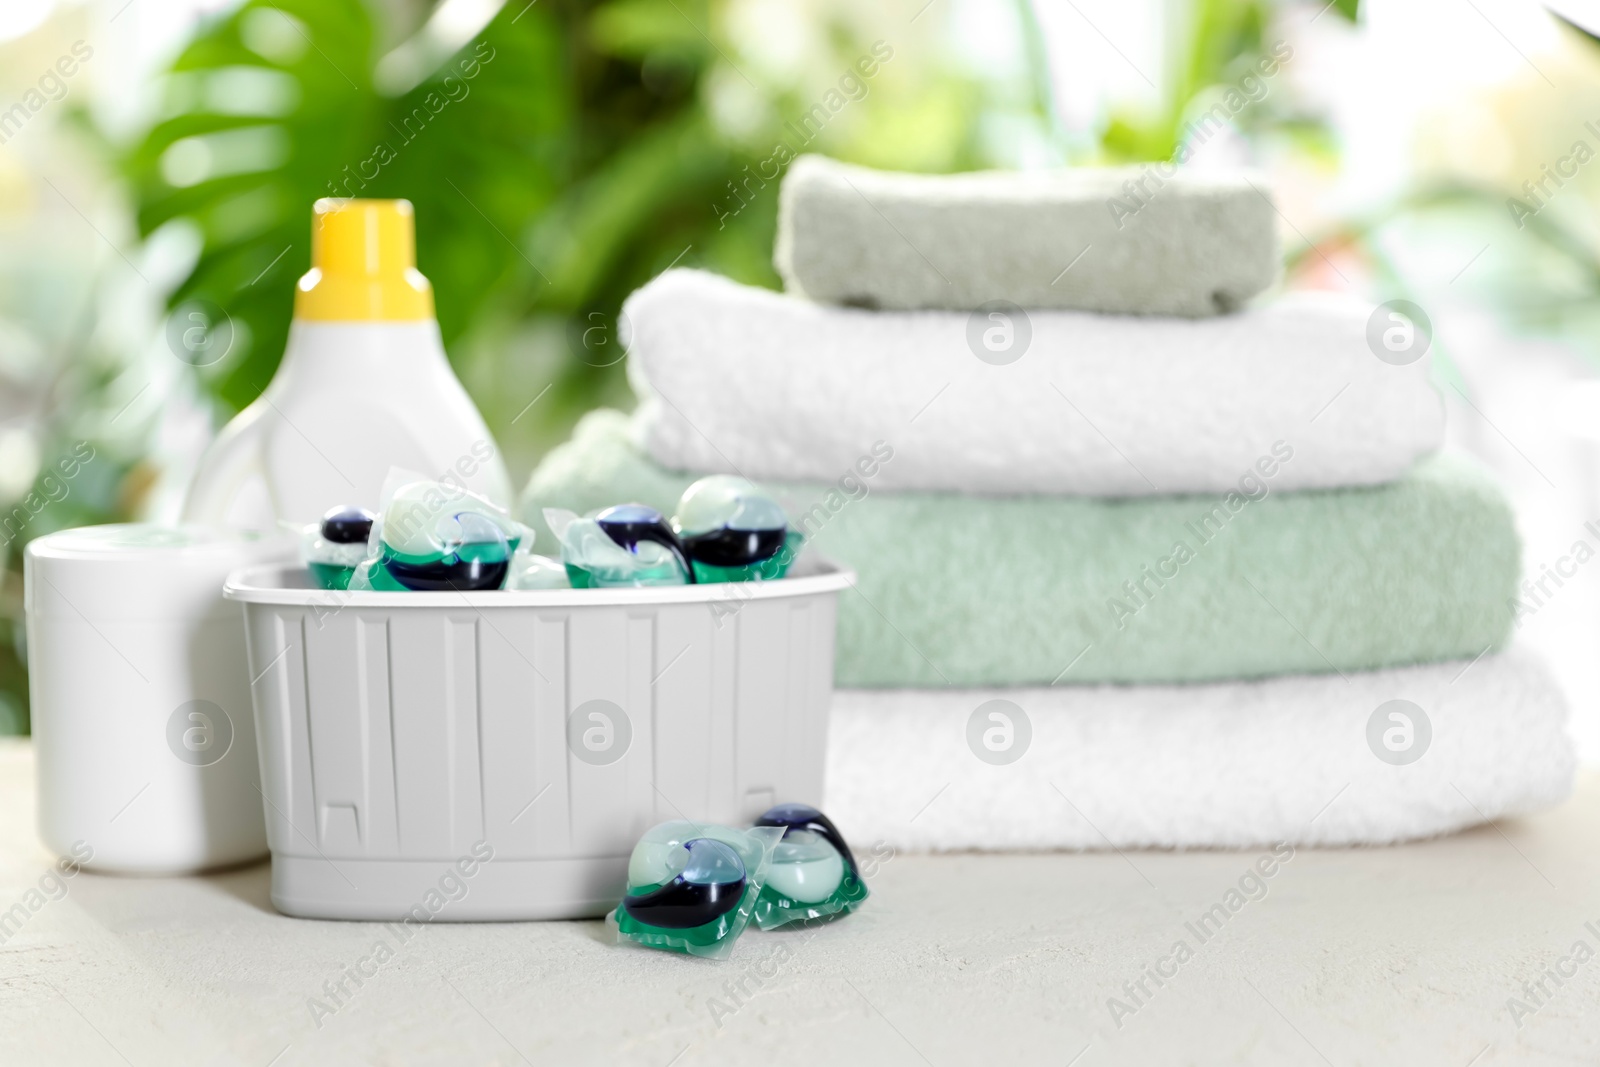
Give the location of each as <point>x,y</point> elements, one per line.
<point>350,401</point>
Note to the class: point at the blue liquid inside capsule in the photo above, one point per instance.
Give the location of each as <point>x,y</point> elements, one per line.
<point>476,556</point>
<point>630,524</point>
<point>727,547</point>
<point>708,887</point>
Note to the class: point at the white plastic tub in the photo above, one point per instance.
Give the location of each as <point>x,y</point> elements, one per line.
<point>495,755</point>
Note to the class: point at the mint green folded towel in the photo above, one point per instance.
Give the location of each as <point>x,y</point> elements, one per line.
<point>969,591</point>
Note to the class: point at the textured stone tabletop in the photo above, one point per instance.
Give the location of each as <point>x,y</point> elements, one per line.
<point>1427,954</point>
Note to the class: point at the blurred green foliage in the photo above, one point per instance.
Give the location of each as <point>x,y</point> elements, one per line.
<point>1221,41</point>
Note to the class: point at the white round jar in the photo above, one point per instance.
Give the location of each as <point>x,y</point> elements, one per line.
<point>140,695</point>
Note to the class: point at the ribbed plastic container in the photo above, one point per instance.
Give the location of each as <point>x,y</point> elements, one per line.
<point>495,755</point>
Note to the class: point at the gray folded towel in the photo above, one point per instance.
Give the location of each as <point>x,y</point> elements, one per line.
<point>1126,241</point>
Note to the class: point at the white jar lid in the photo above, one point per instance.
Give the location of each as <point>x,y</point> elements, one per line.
<point>134,571</point>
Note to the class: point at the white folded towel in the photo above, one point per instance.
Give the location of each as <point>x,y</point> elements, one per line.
<point>735,379</point>
<point>1221,765</point>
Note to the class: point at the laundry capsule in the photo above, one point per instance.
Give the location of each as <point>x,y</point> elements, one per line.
<point>629,545</point>
<point>333,548</point>
<point>733,531</point>
<point>813,874</point>
<point>691,886</point>
<point>632,525</point>
<point>432,537</point>
<point>529,571</point>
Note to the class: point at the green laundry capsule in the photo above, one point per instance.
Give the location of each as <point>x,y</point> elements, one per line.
<point>692,886</point>
<point>371,575</point>
<point>766,570</point>
<point>733,531</point>
<point>433,537</point>
<point>813,873</point>
<point>334,547</point>
<point>626,546</point>
<point>529,571</point>
<point>330,575</point>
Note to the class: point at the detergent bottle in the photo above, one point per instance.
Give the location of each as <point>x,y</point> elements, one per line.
<point>364,386</point>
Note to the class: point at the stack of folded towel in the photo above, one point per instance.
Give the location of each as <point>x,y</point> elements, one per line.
<point>1193,555</point>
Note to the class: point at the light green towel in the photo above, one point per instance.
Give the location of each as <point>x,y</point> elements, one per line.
<point>968,591</point>
<point>1195,243</point>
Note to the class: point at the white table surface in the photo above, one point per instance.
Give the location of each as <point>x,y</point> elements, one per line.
<point>1397,955</point>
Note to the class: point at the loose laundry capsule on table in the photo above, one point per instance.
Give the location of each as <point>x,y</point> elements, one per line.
<point>732,531</point>
<point>691,886</point>
<point>813,874</point>
<point>333,548</point>
<point>707,886</point>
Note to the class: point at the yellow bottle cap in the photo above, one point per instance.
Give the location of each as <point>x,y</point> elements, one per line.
<point>363,264</point>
